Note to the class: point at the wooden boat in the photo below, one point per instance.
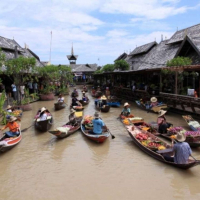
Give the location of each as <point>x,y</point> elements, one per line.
<point>194,125</point>
<point>60,134</point>
<point>74,94</point>
<point>59,105</point>
<point>44,125</point>
<point>113,103</point>
<point>77,108</point>
<point>84,103</point>
<point>158,154</point>
<point>97,138</point>
<point>8,143</point>
<point>154,109</point>
<point>106,108</point>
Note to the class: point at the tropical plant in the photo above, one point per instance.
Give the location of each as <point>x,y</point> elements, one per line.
<point>179,61</point>
<point>121,64</point>
<point>2,111</point>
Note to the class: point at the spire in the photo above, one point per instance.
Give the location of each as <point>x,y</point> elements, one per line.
<point>72,52</point>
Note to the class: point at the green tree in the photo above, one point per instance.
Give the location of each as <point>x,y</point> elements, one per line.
<point>121,64</point>
<point>179,61</point>
<point>108,68</point>
<point>2,58</point>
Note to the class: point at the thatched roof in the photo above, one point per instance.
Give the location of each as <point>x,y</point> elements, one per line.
<point>121,57</point>
<point>84,67</point>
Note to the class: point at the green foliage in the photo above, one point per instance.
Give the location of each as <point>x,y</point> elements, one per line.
<point>108,68</point>
<point>25,101</point>
<point>48,89</point>
<point>121,64</point>
<point>2,100</point>
<point>63,90</point>
<point>98,72</point>
<point>179,61</point>
<point>2,58</point>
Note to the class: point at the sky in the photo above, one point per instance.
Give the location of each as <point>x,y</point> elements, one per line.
<point>100,30</point>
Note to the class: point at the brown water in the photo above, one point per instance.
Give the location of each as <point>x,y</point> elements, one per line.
<point>42,167</point>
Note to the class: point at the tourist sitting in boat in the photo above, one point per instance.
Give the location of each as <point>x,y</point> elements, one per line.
<point>98,125</point>
<point>107,93</point>
<point>181,150</point>
<point>61,98</point>
<point>84,88</point>
<point>103,102</point>
<point>13,128</point>
<point>154,102</point>
<point>84,97</point>
<point>126,110</point>
<point>43,114</point>
<point>72,118</point>
<point>163,125</point>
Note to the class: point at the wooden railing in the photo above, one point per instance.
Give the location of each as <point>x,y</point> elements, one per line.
<point>184,101</point>
<point>126,93</point>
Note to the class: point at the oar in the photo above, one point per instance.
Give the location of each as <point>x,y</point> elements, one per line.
<point>193,158</point>
<point>25,129</point>
<point>113,137</point>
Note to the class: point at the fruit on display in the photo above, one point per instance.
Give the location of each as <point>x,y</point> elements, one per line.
<point>126,122</point>
<point>161,147</point>
<point>17,112</point>
<point>141,136</point>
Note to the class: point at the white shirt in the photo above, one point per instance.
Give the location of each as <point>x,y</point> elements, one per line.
<point>43,117</point>
<point>22,87</point>
<point>133,88</point>
<point>61,99</point>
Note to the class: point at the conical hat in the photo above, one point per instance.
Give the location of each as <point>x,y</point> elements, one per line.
<point>153,99</point>
<point>161,113</point>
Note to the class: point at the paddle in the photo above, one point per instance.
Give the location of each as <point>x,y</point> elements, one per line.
<point>25,129</point>
<point>113,137</point>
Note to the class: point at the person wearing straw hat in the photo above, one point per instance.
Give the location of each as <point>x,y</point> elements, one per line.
<point>43,114</point>
<point>72,118</point>
<point>103,102</point>
<point>126,110</point>
<point>9,109</point>
<point>154,102</point>
<point>163,125</point>
<point>84,97</point>
<point>13,127</point>
<point>181,150</point>
<point>98,125</point>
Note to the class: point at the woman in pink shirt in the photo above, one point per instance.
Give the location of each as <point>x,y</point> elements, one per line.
<point>163,125</point>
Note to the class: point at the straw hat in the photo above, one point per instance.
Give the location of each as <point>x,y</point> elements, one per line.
<point>153,99</point>
<point>8,107</point>
<point>103,97</point>
<point>72,111</point>
<point>43,109</point>
<point>180,137</point>
<point>126,104</point>
<point>161,113</point>
<point>96,115</point>
<point>12,119</point>
<point>83,92</point>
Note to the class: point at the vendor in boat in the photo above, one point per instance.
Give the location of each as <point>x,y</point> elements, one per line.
<point>126,110</point>
<point>107,93</point>
<point>163,125</point>
<point>154,102</point>
<point>103,102</point>
<point>61,98</point>
<point>9,109</point>
<point>84,88</point>
<point>98,92</point>
<point>72,118</point>
<point>75,93</point>
<point>75,102</point>
<point>13,128</point>
<point>43,114</point>
<point>181,150</point>
<point>98,125</point>
<point>84,97</point>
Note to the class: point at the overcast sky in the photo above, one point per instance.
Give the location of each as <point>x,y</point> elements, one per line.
<point>100,30</point>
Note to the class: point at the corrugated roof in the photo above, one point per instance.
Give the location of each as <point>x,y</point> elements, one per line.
<point>143,49</point>
<point>84,67</point>
<point>121,57</point>
<point>192,32</point>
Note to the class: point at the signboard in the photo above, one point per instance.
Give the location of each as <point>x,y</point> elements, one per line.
<point>190,92</point>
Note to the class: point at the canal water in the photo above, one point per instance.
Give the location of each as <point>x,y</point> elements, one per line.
<point>43,167</point>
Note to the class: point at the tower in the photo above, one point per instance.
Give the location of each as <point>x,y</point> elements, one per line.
<point>72,58</point>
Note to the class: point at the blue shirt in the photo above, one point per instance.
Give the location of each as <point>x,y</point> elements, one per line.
<point>125,111</point>
<point>97,126</point>
<point>182,152</point>
<point>14,88</point>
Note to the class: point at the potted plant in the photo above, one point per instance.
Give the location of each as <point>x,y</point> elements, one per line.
<point>47,94</point>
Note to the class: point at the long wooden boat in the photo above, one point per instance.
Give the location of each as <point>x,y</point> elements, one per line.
<point>97,138</point>
<point>59,105</point>
<point>154,109</point>
<point>193,124</point>
<point>8,143</point>
<point>106,108</point>
<point>63,134</point>
<point>44,125</point>
<point>158,155</point>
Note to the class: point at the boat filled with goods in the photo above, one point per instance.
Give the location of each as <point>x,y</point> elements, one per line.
<point>156,147</point>
<point>87,125</point>
<point>192,137</point>
<point>194,125</point>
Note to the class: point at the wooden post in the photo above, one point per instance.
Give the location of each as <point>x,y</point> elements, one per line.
<point>176,81</point>
<point>160,82</point>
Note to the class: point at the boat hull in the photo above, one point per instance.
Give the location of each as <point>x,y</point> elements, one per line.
<point>59,106</point>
